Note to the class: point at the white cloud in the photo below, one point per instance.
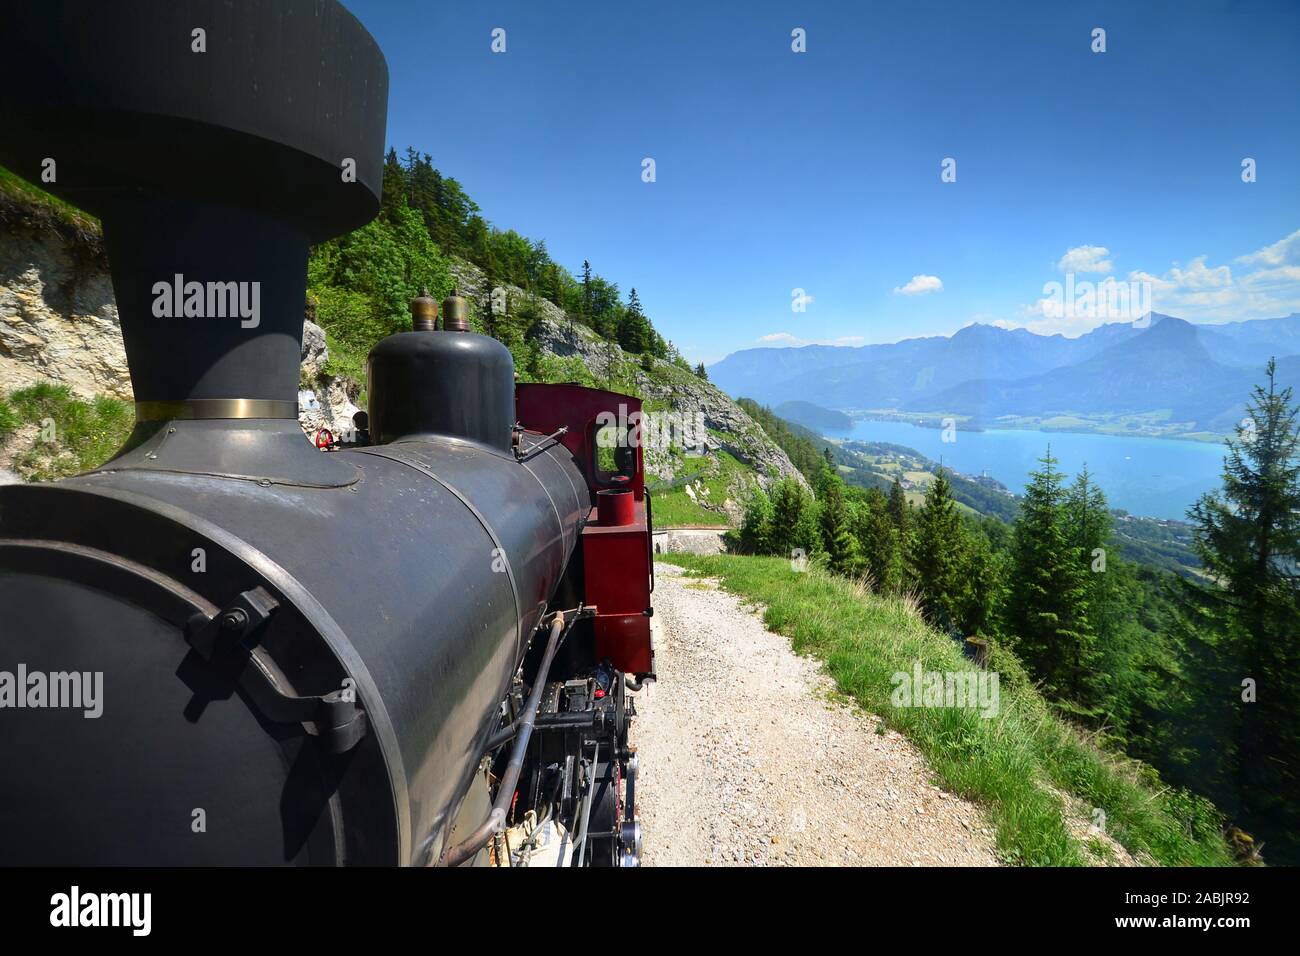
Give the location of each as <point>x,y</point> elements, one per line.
<point>1273,278</point>
<point>785,338</point>
<point>1197,277</point>
<point>1086,259</point>
<point>1268,287</point>
<point>1283,252</point>
<point>920,285</point>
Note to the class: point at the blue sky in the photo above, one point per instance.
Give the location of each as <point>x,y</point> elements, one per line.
<point>820,170</point>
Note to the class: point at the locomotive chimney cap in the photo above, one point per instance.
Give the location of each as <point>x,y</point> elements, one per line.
<point>216,142</point>
<point>278,108</point>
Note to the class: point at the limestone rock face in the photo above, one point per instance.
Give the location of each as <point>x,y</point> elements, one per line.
<point>327,403</point>
<point>58,320</point>
<point>314,352</point>
<point>689,541</point>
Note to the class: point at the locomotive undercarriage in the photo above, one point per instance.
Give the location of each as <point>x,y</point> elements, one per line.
<point>575,803</point>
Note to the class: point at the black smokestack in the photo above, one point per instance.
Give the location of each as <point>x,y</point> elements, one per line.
<point>215,140</point>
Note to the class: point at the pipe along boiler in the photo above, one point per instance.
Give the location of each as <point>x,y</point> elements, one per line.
<point>416,649</point>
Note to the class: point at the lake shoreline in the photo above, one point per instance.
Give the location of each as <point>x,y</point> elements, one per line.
<point>935,422</point>
<point>1146,476</point>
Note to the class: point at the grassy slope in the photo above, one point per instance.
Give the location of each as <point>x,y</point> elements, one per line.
<point>1015,764</point>
<point>721,474</point>
<point>674,509</point>
<point>20,201</point>
<point>72,435</point>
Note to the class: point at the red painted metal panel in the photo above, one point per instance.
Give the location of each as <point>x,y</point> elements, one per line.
<point>618,583</point>
<point>616,552</point>
<point>547,408</point>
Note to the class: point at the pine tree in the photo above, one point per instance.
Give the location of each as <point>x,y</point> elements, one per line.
<point>1112,665</point>
<point>701,373</point>
<point>938,552</point>
<point>1087,526</point>
<point>1243,626</point>
<point>1047,603</point>
<point>587,313</point>
<point>794,523</point>
<point>1134,669</point>
<point>755,535</point>
<point>980,588</point>
<point>836,536</point>
<point>879,542</point>
<point>633,328</point>
<point>394,186</point>
<point>898,507</point>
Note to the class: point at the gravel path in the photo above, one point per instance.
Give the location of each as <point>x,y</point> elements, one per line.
<point>747,758</point>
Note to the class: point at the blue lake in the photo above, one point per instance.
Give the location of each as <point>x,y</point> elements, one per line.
<point>1156,477</point>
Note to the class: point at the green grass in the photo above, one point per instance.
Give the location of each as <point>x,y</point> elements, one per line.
<point>1014,764</point>
<point>72,435</point>
<point>673,509</point>
<point>37,198</point>
<point>722,474</point>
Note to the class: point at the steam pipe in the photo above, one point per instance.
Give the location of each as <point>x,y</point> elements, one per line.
<point>584,720</point>
<point>495,822</point>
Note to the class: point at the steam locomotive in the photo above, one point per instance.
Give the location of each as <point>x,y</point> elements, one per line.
<point>419,649</point>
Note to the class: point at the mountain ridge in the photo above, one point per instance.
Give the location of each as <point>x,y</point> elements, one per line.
<point>1179,377</point>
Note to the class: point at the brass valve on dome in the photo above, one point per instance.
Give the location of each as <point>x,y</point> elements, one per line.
<point>455,313</point>
<point>424,312</point>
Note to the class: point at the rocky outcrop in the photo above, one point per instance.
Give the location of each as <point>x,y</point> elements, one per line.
<point>57,318</point>
<point>326,401</point>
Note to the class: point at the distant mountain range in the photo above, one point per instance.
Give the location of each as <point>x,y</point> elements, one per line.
<point>1165,376</point>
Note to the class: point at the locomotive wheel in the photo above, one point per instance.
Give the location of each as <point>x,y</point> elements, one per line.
<point>602,844</point>
<point>622,719</point>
